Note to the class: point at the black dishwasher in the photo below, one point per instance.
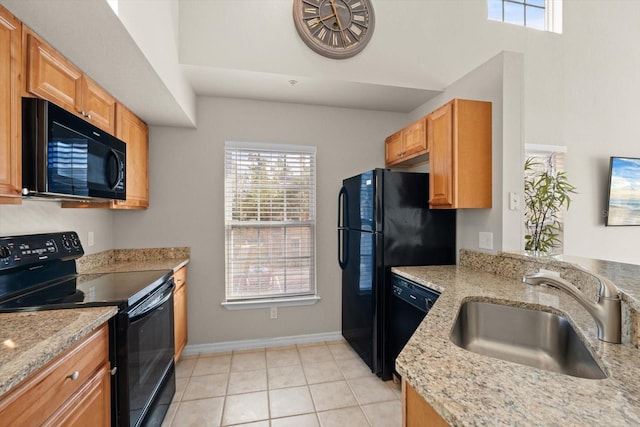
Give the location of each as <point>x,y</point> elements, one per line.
<point>410,302</point>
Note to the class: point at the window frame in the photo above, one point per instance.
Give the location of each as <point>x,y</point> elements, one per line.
<point>256,301</point>
<point>552,14</point>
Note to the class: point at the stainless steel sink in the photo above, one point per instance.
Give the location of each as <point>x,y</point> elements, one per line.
<point>529,337</point>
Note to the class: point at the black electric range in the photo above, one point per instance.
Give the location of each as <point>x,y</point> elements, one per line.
<point>38,272</point>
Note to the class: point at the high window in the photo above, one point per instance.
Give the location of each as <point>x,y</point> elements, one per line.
<point>538,14</point>
<point>269,222</point>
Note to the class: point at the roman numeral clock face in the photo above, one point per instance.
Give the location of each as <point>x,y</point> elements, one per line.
<point>334,28</point>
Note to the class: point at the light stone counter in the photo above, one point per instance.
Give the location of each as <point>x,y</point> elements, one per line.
<point>124,260</point>
<point>469,389</point>
<point>29,340</point>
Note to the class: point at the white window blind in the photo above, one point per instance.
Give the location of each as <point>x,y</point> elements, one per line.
<point>269,221</point>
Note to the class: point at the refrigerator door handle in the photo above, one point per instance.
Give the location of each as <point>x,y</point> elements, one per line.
<point>343,243</point>
<point>343,231</point>
<point>342,208</point>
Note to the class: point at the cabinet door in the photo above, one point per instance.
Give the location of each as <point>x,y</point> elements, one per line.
<point>416,412</point>
<point>91,406</point>
<point>441,168</point>
<point>414,137</point>
<point>180,317</point>
<point>99,106</point>
<point>52,77</point>
<point>393,148</point>
<point>10,109</point>
<point>135,133</point>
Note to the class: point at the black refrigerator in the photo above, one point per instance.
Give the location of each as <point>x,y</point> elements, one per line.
<point>384,221</point>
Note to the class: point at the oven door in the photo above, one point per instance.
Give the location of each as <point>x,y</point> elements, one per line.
<point>145,355</point>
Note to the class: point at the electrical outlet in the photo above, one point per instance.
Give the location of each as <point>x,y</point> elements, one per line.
<point>90,239</point>
<point>274,312</point>
<point>485,240</point>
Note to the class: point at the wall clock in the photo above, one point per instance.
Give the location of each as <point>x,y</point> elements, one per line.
<point>334,28</point>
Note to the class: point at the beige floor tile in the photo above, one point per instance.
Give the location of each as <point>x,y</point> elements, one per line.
<point>285,357</point>
<point>315,353</point>
<point>245,408</point>
<point>248,361</point>
<point>205,386</point>
<point>290,401</point>
<point>286,376</point>
<point>212,365</point>
<point>199,413</point>
<point>168,417</point>
<point>384,414</point>
<point>371,389</point>
<point>396,387</point>
<point>264,423</point>
<point>322,372</point>
<point>353,368</point>
<point>247,381</point>
<point>184,368</point>
<point>306,420</point>
<point>181,385</point>
<point>343,350</point>
<point>352,417</point>
<point>327,396</point>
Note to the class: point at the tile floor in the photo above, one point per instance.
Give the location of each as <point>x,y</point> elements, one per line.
<point>311,385</point>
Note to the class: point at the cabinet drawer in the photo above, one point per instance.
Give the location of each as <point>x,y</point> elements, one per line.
<point>40,395</point>
<point>180,277</point>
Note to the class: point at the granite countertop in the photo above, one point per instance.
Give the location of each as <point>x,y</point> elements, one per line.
<point>469,389</point>
<point>124,260</point>
<point>29,340</point>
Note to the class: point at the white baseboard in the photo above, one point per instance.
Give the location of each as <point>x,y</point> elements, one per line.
<point>192,349</point>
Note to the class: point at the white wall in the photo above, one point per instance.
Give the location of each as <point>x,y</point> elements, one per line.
<point>186,185</point>
<point>36,216</point>
<point>601,62</point>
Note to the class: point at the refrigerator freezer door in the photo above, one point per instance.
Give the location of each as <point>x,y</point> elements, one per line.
<point>358,202</point>
<point>359,296</point>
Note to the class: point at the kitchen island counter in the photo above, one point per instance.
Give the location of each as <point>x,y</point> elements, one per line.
<point>29,340</point>
<point>468,389</point>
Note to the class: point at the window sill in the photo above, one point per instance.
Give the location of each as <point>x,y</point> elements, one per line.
<point>266,303</point>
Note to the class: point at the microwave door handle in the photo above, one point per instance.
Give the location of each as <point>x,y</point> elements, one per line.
<point>113,160</point>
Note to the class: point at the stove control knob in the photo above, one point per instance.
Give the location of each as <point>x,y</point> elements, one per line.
<point>4,252</point>
<point>74,240</point>
<point>66,243</point>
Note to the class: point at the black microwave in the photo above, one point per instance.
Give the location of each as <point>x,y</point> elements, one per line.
<point>65,157</point>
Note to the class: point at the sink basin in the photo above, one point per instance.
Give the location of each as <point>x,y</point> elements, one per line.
<point>529,337</point>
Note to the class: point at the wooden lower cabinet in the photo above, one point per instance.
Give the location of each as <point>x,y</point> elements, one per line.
<point>180,311</point>
<point>416,412</point>
<point>71,390</point>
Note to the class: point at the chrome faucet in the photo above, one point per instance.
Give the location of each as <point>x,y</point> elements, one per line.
<point>606,311</point>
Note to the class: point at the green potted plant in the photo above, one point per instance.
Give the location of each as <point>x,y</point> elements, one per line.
<point>545,194</point>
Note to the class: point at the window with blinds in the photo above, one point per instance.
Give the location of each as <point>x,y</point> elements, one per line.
<point>269,221</point>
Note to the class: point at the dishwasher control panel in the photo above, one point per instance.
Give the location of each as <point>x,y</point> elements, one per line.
<point>411,292</point>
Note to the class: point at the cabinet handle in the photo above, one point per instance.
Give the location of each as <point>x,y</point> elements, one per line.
<point>74,376</point>
<point>88,116</point>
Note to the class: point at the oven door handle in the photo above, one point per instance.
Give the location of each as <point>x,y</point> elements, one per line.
<point>152,304</point>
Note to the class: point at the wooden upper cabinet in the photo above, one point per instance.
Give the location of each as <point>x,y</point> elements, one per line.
<point>10,108</point>
<point>98,106</point>
<point>414,138</point>
<point>52,77</point>
<point>393,148</point>
<point>460,171</point>
<point>135,133</point>
<point>408,146</point>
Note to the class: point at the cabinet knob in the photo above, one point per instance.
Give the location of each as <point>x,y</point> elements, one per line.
<point>88,116</point>
<point>74,376</point>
